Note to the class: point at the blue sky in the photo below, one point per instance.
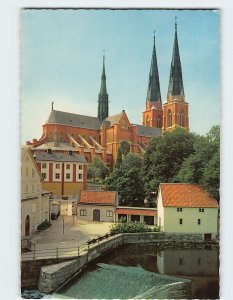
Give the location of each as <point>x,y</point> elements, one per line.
<point>61,61</point>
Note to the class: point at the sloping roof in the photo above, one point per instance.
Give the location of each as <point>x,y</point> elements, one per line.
<point>136,211</point>
<point>65,118</point>
<point>60,146</point>
<point>59,157</point>
<point>148,131</point>
<point>114,119</point>
<point>26,149</point>
<point>98,197</point>
<point>186,195</point>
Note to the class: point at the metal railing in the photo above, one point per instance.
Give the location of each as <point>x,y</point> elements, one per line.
<point>62,252</point>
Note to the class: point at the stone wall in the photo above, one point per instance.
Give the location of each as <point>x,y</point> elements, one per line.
<point>51,277</point>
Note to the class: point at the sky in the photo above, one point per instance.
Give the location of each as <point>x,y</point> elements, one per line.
<point>62,52</point>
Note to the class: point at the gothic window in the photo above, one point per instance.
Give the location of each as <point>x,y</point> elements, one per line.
<point>169,118</point>
<point>182,118</point>
<point>51,137</point>
<point>159,122</point>
<point>147,121</point>
<point>61,136</point>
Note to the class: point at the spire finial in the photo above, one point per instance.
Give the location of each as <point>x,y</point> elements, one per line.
<point>103,56</point>
<point>176,23</point>
<point>154,36</point>
<point>52,104</point>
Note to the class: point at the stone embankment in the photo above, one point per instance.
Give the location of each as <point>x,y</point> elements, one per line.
<point>53,276</point>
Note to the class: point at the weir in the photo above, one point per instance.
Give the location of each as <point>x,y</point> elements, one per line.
<point>52,277</point>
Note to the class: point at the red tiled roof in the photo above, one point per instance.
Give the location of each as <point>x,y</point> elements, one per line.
<point>186,195</point>
<point>138,212</point>
<point>97,197</point>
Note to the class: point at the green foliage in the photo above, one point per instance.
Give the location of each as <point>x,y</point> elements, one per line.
<point>97,169</point>
<point>119,158</point>
<point>164,157</point>
<point>132,227</point>
<point>44,225</point>
<point>203,166</point>
<point>126,180</point>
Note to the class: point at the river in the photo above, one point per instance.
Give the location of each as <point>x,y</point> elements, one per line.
<point>149,272</point>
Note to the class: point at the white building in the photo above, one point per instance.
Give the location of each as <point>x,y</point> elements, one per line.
<point>187,208</point>
<point>34,201</point>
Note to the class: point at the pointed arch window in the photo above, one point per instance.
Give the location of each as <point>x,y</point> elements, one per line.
<point>169,118</point>
<point>159,125</point>
<point>182,118</point>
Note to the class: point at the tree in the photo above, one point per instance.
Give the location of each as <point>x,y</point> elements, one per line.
<point>126,180</point>
<point>119,158</point>
<point>164,157</point>
<point>203,166</point>
<point>97,169</point>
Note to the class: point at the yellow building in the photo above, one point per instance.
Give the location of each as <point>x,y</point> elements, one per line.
<point>187,208</point>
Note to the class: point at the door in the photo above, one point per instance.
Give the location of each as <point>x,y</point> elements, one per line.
<point>96,215</point>
<point>27,226</point>
<point>207,237</point>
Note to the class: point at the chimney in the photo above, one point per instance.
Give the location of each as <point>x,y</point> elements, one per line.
<point>49,151</point>
<point>70,152</point>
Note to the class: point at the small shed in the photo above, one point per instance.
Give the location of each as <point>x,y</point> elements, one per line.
<point>137,214</point>
<point>97,206</point>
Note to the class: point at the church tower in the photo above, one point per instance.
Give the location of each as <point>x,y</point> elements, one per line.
<point>152,116</point>
<point>175,110</point>
<point>103,96</point>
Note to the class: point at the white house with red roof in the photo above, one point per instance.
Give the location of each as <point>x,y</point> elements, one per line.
<point>187,208</point>
<point>97,206</point>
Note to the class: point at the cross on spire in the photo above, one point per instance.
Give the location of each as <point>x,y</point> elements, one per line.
<point>176,22</point>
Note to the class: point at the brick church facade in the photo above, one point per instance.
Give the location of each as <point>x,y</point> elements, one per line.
<point>102,135</point>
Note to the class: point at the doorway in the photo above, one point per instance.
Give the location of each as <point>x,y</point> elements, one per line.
<point>96,215</point>
<point>27,226</point>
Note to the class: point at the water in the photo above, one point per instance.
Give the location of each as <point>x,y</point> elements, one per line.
<point>148,272</point>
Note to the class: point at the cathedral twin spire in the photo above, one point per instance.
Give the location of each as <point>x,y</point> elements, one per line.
<point>175,87</point>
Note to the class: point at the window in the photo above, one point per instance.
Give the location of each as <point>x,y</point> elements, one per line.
<point>199,261</point>
<point>201,210</point>
<point>109,213</point>
<point>26,172</point>
<point>57,175</point>
<point>43,165</point>
<point>68,167</point>
<point>199,221</point>
<point>33,188</point>
<point>57,166</point>
<point>80,167</point>
<point>182,118</point>
<point>159,122</point>
<point>180,221</point>
<point>43,176</point>
<point>80,176</point>
<point>180,261</point>
<point>33,172</point>
<point>169,118</point>
<point>179,209</point>
<point>83,212</point>
<point>67,176</point>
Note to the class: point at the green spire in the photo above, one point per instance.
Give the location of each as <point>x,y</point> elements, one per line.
<point>103,96</point>
<point>153,91</point>
<point>175,87</point>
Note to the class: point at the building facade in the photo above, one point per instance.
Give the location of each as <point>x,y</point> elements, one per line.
<point>187,208</point>
<point>34,201</point>
<point>62,173</point>
<point>102,135</point>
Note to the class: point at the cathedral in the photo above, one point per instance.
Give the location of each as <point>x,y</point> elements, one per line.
<point>102,135</point>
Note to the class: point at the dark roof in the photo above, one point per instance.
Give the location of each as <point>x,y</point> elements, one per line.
<point>175,86</point>
<point>153,91</point>
<point>59,157</point>
<point>65,118</point>
<point>148,131</point>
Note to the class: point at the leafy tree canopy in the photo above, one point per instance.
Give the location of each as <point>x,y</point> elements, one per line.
<point>97,169</point>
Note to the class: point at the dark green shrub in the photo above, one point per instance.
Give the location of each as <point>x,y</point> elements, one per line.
<point>44,225</point>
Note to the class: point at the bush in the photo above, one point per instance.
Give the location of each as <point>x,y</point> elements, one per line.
<point>44,225</point>
<point>132,227</point>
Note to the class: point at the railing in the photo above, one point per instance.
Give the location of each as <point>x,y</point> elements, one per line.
<point>62,252</point>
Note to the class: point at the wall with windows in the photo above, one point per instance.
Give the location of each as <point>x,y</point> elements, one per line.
<point>85,212</point>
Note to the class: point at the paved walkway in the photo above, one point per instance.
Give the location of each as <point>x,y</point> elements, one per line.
<point>76,233</point>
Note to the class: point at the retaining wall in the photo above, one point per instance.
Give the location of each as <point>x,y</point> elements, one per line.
<point>51,277</point>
